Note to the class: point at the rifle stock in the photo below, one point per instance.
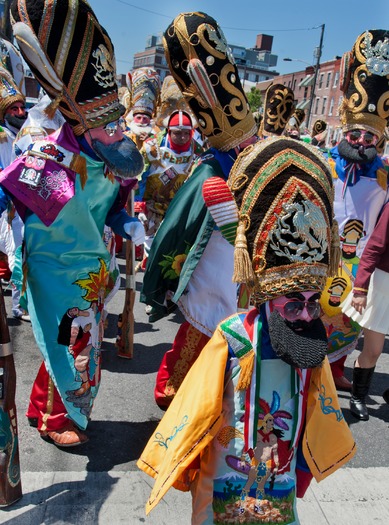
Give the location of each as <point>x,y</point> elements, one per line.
<point>10,482</point>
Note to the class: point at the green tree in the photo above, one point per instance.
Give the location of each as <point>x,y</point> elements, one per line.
<point>255,99</point>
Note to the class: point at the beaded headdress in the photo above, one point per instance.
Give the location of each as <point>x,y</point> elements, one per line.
<point>9,92</point>
<point>364,80</point>
<point>72,57</point>
<point>171,100</point>
<point>287,239</point>
<point>203,66</point>
<point>144,85</point>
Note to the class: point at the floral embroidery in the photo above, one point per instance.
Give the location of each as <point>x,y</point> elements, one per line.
<point>173,263</point>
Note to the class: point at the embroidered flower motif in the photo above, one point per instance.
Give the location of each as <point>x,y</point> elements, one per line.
<point>173,263</point>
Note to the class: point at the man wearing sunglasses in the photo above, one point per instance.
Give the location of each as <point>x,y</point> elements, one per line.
<point>257,415</point>
<point>360,181</point>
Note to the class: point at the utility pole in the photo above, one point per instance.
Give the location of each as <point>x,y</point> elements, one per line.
<point>317,67</point>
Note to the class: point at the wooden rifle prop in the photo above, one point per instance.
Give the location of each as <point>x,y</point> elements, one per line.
<point>10,483</point>
<point>126,322</point>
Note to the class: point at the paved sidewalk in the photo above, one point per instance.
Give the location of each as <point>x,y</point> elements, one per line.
<point>349,497</point>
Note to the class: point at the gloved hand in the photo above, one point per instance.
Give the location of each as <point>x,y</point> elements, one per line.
<point>136,231</point>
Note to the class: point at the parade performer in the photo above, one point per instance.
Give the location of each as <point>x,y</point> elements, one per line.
<point>265,417</point>
<point>184,263</point>
<point>144,87</point>
<point>319,134</point>
<point>360,181</point>
<point>66,187</point>
<point>368,306</point>
<point>13,115</point>
<point>293,128</point>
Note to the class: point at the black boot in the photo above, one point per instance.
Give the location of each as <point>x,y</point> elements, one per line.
<point>361,383</point>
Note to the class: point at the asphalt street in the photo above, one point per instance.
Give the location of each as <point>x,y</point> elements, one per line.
<point>99,483</point>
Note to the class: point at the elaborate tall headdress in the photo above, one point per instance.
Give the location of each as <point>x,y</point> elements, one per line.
<point>171,100</point>
<point>144,85</point>
<point>9,92</point>
<point>365,83</point>
<point>287,239</point>
<point>72,57</point>
<point>203,67</point>
<point>278,107</point>
<point>11,60</point>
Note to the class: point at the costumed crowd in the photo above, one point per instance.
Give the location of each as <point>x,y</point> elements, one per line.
<point>261,235</point>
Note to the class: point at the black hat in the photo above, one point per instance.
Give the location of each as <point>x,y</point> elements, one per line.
<point>72,57</point>
<point>278,107</point>
<point>203,67</point>
<point>365,83</point>
<point>287,239</point>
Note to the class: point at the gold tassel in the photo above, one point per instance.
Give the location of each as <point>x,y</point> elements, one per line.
<point>53,106</point>
<point>246,364</point>
<point>243,269</point>
<point>335,252</point>
<point>78,164</point>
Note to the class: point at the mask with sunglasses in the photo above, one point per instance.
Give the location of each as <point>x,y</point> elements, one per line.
<point>292,310</point>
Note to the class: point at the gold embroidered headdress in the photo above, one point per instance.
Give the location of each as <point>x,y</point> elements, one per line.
<point>278,107</point>
<point>72,57</point>
<point>287,239</point>
<point>203,67</point>
<point>364,80</point>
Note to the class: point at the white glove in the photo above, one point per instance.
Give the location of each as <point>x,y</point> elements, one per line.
<point>136,231</point>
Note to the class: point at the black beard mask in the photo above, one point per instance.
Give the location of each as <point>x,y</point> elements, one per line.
<point>357,153</point>
<point>122,158</point>
<point>15,122</point>
<point>299,344</point>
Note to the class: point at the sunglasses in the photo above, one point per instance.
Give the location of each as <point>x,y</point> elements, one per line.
<point>111,128</point>
<point>293,309</point>
<point>356,134</point>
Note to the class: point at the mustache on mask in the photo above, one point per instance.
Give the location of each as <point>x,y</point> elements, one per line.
<point>300,344</point>
<point>357,153</point>
<point>121,157</point>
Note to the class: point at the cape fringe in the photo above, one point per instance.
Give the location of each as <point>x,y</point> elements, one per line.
<point>53,106</point>
<point>246,364</point>
<point>78,165</point>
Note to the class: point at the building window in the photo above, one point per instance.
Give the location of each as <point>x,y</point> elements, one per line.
<point>321,80</point>
<point>323,108</point>
<point>336,79</point>
<point>328,80</point>
<point>317,106</point>
<point>332,103</point>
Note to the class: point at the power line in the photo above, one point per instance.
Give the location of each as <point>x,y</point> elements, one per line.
<point>224,27</point>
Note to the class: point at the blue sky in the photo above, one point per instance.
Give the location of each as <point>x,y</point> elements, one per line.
<point>294,24</point>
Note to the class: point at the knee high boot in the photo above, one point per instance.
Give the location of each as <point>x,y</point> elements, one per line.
<point>361,383</point>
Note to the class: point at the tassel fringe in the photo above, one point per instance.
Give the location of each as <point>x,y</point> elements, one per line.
<point>246,364</point>
<point>243,269</point>
<point>53,106</point>
<point>78,165</point>
<point>335,253</point>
